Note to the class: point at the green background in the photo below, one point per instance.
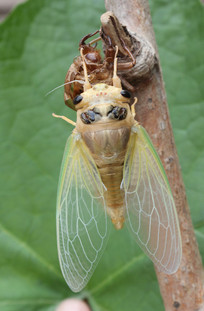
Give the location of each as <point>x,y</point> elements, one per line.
<point>38,42</point>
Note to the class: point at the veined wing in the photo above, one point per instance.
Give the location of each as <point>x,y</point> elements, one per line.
<point>150,210</point>
<point>81,214</point>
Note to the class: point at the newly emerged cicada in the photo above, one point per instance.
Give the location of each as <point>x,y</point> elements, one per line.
<point>111,170</point>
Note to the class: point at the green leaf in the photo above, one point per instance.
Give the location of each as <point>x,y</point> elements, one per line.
<point>179,33</point>
<point>38,42</point>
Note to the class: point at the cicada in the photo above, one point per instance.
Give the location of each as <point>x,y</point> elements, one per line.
<point>110,170</point>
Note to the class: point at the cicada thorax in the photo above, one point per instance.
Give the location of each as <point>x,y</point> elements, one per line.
<point>104,120</point>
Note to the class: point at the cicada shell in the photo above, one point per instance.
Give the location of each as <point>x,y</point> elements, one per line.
<point>97,69</point>
<point>100,69</point>
<point>111,170</point>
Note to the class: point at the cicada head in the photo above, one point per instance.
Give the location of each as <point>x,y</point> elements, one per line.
<point>101,94</point>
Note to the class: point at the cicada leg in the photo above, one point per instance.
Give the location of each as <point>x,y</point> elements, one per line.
<point>116,79</point>
<point>128,65</point>
<point>64,118</point>
<point>133,107</point>
<point>82,41</point>
<point>87,84</point>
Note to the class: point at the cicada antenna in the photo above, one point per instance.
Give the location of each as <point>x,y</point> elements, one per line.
<point>58,87</point>
<point>87,84</point>
<point>116,80</point>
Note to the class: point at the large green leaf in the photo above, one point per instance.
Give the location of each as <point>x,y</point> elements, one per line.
<point>37,44</point>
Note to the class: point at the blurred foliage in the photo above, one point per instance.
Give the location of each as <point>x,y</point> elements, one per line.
<point>38,42</point>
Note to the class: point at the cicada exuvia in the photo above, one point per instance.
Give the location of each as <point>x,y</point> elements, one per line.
<point>111,169</point>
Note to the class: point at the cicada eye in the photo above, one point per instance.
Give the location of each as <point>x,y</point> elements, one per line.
<point>77,99</point>
<point>125,93</point>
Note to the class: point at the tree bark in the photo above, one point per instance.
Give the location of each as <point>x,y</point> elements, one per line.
<point>183,290</point>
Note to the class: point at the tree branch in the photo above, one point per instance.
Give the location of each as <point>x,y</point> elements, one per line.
<point>183,290</point>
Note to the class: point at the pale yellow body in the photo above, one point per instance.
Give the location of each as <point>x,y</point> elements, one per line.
<point>107,140</point>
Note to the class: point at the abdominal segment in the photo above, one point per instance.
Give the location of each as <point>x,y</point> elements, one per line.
<point>112,177</point>
<point>108,148</point>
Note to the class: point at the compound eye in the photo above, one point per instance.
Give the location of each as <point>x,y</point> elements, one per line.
<point>77,99</point>
<point>125,93</point>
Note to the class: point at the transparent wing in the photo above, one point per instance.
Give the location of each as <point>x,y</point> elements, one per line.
<point>81,215</point>
<point>150,210</point>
